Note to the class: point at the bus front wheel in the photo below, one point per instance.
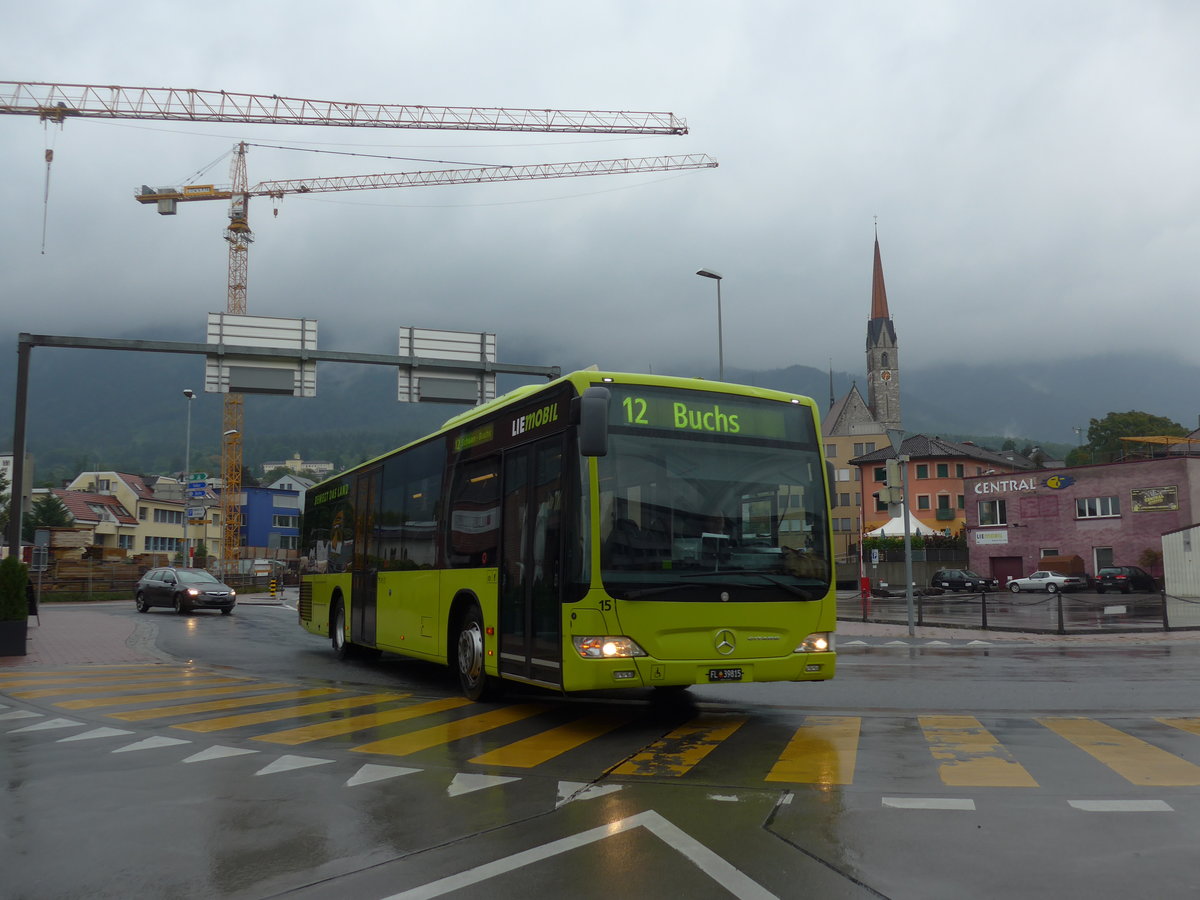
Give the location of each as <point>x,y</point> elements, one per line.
<point>469,655</point>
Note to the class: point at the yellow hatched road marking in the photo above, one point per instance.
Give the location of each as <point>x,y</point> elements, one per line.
<point>290,712</point>
<point>404,744</point>
<point>683,748</point>
<point>822,751</point>
<point>339,727</point>
<point>1133,759</point>
<point>533,751</point>
<point>199,691</point>
<point>127,687</point>
<point>30,680</point>
<point>1191,725</point>
<point>970,756</point>
<point>163,712</point>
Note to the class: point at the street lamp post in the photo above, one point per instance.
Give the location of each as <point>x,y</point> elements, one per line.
<point>709,273</point>
<point>187,475</point>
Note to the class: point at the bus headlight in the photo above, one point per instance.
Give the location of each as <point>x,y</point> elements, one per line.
<point>817,642</point>
<point>596,647</point>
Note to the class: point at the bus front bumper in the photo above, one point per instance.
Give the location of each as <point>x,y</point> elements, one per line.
<point>643,672</point>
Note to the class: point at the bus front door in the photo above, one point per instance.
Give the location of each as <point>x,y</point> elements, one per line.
<point>531,570</point>
<point>365,560</point>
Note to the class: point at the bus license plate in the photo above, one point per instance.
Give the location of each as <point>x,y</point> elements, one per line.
<point>724,674</point>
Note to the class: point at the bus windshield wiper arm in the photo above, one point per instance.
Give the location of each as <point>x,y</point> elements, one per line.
<point>790,588</point>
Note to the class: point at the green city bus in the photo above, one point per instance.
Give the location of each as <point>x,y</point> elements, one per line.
<point>599,531</point>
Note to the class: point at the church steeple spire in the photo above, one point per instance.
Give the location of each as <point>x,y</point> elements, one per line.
<point>879,307</point>
<point>883,356</point>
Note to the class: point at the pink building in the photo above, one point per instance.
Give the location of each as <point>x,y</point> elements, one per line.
<point>1106,514</point>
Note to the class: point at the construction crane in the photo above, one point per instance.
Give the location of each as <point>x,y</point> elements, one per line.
<point>58,102</point>
<point>239,236</point>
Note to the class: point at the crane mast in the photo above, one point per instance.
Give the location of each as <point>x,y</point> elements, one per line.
<point>58,102</point>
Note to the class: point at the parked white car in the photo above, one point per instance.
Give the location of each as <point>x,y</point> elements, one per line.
<point>1050,582</point>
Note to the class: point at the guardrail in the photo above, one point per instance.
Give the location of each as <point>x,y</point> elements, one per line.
<point>1058,613</point>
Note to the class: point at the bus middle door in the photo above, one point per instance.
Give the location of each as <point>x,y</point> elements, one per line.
<point>365,561</point>
<point>531,563</point>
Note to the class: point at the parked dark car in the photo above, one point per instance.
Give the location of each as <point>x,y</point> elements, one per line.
<point>1124,579</point>
<point>963,580</point>
<point>183,590</point>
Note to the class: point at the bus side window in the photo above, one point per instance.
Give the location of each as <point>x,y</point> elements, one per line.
<point>475,515</point>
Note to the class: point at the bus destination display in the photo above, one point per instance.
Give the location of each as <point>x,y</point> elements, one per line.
<point>698,412</point>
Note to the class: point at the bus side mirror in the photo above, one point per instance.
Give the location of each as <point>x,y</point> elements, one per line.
<point>593,421</point>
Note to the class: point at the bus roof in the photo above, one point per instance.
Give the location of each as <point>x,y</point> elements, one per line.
<point>585,378</point>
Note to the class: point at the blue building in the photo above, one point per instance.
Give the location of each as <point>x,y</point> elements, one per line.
<point>271,518</point>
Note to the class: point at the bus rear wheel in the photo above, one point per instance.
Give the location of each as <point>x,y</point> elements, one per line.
<point>469,656</point>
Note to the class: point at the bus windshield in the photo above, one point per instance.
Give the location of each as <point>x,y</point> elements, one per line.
<point>688,517</point>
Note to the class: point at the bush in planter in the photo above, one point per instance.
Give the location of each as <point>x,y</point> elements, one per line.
<point>14,606</point>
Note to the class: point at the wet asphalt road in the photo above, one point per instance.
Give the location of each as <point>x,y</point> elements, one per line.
<point>921,771</point>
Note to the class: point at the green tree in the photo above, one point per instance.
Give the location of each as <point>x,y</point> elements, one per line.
<point>1104,435</point>
<point>5,504</point>
<point>47,512</point>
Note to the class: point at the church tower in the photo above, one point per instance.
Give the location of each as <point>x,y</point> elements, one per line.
<point>883,358</point>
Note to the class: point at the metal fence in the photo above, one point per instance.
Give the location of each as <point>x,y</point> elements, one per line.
<point>1060,613</point>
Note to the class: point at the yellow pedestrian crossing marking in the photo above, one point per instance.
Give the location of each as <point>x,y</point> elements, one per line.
<point>1189,724</point>
<point>204,691</point>
<point>185,709</point>
<point>822,751</point>
<point>682,749</point>
<point>405,744</point>
<point>53,676</point>
<point>540,748</point>
<point>1135,760</point>
<point>91,678</point>
<point>291,712</point>
<point>338,727</point>
<point>181,681</point>
<point>969,756</point>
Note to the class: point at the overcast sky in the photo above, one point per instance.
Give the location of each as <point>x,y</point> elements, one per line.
<point>1032,165</point>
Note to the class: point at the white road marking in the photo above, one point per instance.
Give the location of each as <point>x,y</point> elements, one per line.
<point>724,798</point>
<point>719,870</point>
<point>95,733</point>
<point>287,763</point>
<point>372,772</point>
<point>151,744</point>
<point>19,714</point>
<point>217,751</point>
<point>49,725</point>
<point>928,803</point>
<point>1121,805</point>
<point>465,783</point>
<point>570,791</point>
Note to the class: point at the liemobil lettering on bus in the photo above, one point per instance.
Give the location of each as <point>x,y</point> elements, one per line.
<point>702,420</point>
<point>535,419</point>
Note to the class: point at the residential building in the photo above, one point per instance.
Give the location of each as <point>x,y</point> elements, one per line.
<point>292,482</point>
<point>937,470</point>
<point>159,521</point>
<point>270,519</point>
<point>318,467</point>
